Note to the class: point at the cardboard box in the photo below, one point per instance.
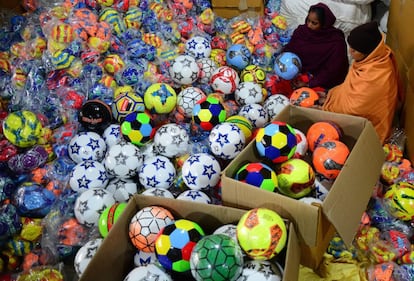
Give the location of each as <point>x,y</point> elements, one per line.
<point>346,201</point>
<point>399,38</point>
<point>114,258</point>
<point>233,8</point>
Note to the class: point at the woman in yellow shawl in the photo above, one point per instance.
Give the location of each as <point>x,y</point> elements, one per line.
<point>371,88</point>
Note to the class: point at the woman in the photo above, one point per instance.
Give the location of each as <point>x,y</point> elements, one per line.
<point>322,49</point>
<point>371,89</point>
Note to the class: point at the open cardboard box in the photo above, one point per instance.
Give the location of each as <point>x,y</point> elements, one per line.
<point>233,8</point>
<point>115,257</point>
<point>347,199</point>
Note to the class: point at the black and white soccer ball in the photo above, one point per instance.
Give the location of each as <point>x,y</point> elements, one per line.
<point>171,140</point>
<point>122,189</point>
<point>187,98</point>
<point>123,160</point>
<point>85,254</point>
<point>248,93</point>
<point>184,70</point>
<point>274,104</point>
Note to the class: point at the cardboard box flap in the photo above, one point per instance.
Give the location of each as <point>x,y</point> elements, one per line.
<point>343,206</point>
<point>240,4</point>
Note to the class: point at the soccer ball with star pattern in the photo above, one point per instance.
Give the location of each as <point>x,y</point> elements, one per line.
<point>274,104</point>
<point>86,175</point>
<point>148,272</point>
<point>85,254</point>
<point>123,160</point>
<point>171,140</point>
<point>187,98</point>
<point>157,191</point>
<point>255,113</point>
<point>248,93</point>
<point>226,140</point>
<point>86,146</point>
<point>207,67</point>
<point>201,171</point>
<point>254,270</point>
<point>112,135</point>
<point>198,47</point>
<point>194,196</point>
<point>184,70</point>
<point>90,204</point>
<point>122,189</point>
<point>157,171</point>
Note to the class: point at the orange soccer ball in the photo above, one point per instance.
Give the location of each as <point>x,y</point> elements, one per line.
<point>329,158</point>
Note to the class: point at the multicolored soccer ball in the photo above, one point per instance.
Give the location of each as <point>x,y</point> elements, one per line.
<point>22,128</point>
<point>184,70</point>
<point>287,65</point>
<point>399,199</point>
<point>216,257</point>
<point>226,140</point>
<point>138,128</point>
<point>304,97</point>
<point>145,226</point>
<point>253,73</point>
<point>276,142</point>
<point>208,112</point>
<point>175,243</point>
<point>160,98</point>
<point>322,131</point>
<point>261,233</point>
<point>238,56</point>
<point>243,123</point>
<point>126,103</point>
<point>329,157</point>
<point>224,80</point>
<point>296,178</point>
<point>258,174</point>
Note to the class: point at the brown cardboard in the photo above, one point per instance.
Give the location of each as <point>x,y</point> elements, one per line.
<point>114,258</point>
<point>233,8</point>
<point>347,200</point>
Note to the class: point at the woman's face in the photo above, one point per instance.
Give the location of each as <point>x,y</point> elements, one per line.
<point>312,21</point>
<point>357,56</point>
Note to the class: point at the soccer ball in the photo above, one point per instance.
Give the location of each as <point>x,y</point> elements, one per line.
<point>255,113</point>
<point>126,103</point>
<point>296,178</point>
<point>130,74</point>
<point>238,56</point>
<point>322,131</point>
<point>22,128</point>
<point>122,189</point>
<point>207,67</point>
<point>224,80</point>
<point>123,160</point>
<point>138,128</point>
<point>276,142</point>
<point>399,200</point>
<point>146,224</point>
<point>86,146</point>
<point>187,99</point>
<point>171,140</point>
<point>157,191</point>
<point>258,174</point>
<point>302,144</point>
<point>200,171</point>
<point>261,233</point>
<point>254,270</point>
<point>229,230</point>
<point>208,112</point>
<point>304,97</point>
<point>322,186</point>
<point>287,65</point>
<point>86,175</point>
<point>329,157</point>
<point>244,125</point>
<point>226,140</point>
<point>274,104</point>
<point>198,47</point>
<point>160,98</point>
<point>113,63</point>
<point>109,216</point>
<point>157,171</point>
<point>85,254</point>
<point>218,56</point>
<point>216,257</point>
<point>112,135</point>
<point>253,73</point>
<point>143,258</point>
<point>194,196</point>
<point>184,70</point>
<point>248,93</point>
<point>90,204</point>
<point>148,272</point>
<point>175,242</point>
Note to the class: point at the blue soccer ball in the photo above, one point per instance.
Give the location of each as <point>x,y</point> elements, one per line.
<point>238,56</point>
<point>287,65</point>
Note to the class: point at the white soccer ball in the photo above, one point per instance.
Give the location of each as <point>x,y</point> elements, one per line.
<point>274,104</point>
<point>122,189</point>
<point>86,146</point>
<point>184,70</point>
<point>198,47</point>
<point>171,140</point>
<point>201,171</point>
<point>302,144</point>
<point>85,254</point>
<point>157,191</point>
<point>90,204</point>
<point>148,272</point>
<point>229,230</point>
<point>226,140</point>
<point>123,160</point>
<point>86,175</point>
<point>224,80</point>
<point>207,67</point>
<point>112,135</point>
<point>142,258</point>
<point>248,93</point>
<point>194,196</point>
<point>254,270</point>
<point>255,113</point>
<point>322,186</point>
<point>157,171</point>
<point>187,98</point>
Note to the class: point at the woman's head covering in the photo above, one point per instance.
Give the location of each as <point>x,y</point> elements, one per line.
<point>365,38</point>
<point>329,18</point>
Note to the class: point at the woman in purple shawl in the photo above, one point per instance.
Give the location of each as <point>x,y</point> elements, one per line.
<point>321,47</point>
